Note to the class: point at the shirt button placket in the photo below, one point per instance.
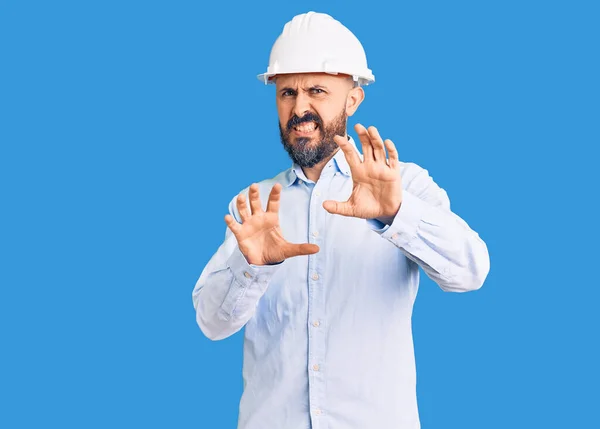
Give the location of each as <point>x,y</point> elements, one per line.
<point>315,310</point>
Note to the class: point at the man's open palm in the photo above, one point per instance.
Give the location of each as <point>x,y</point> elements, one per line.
<point>377,184</point>
<point>259,236</point>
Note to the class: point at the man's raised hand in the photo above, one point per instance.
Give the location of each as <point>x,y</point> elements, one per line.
<point>259,236</point>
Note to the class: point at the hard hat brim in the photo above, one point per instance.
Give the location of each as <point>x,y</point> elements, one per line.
<point>268,78</point>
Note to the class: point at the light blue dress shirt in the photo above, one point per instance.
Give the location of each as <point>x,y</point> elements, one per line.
<point>328,341</point>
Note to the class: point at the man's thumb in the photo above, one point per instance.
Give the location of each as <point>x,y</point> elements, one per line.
<point>336,207</point>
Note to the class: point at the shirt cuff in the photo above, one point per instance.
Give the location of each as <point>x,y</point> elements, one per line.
<point>406,222</point>
<point>245,273</point>
<point>248,285</point>
<point>377,226</point>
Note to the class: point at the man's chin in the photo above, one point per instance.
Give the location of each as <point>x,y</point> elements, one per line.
<point>305,140</point>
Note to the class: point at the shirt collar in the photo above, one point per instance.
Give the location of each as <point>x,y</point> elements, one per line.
<point>338,163</point>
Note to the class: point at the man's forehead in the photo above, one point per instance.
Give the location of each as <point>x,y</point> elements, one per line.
<point>307,79</point>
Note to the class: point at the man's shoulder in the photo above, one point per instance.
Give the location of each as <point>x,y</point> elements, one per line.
<point>409,170</point>
<point>282,177</point>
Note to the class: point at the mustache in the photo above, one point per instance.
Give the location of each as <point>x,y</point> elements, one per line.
<point>309,117</point>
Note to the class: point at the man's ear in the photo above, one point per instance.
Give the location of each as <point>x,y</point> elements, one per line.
<point>353,100</point>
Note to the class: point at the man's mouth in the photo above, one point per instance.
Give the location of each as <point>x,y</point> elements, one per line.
<point>305,127</point>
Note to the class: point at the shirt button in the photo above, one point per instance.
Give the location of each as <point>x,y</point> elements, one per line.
<point>318,194</point>
<point>299,181</point>
<point>316,233</point>
<point>315,367</point>
<point>247,274</point>
<point>318,412</point>
<point>394,236</point>
<point>315,276</point>
<point>316,323</point>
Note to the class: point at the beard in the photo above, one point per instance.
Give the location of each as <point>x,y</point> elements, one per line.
<point>302,151</point>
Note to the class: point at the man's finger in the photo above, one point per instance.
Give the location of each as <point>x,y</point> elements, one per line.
<point>254,199</point>
<point>243,207</point>
<point>363,136</point>
<point>393,153</point>
<point>233,225</point>
<point>377,143</point>
<point>349,152</point>
<point>274,198</point>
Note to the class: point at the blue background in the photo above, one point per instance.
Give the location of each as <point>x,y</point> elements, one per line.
<point>127,127</point>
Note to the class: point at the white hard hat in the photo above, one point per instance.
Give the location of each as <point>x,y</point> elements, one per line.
<point>315,42</point>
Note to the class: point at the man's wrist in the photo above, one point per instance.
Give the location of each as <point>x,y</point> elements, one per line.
<point>388,220</point>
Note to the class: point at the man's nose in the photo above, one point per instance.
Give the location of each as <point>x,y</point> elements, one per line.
<point>302,105</point>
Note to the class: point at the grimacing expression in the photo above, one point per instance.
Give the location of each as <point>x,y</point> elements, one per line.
<point>312,109</point>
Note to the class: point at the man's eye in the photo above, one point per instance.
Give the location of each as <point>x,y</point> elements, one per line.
<point>316,90</point>
<point>289,93</point>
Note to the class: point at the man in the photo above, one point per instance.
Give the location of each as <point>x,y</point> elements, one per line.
<point>320,264</point>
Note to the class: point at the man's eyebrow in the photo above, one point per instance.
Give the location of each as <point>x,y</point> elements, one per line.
<point>317,87</point>
<point>308,88</point>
